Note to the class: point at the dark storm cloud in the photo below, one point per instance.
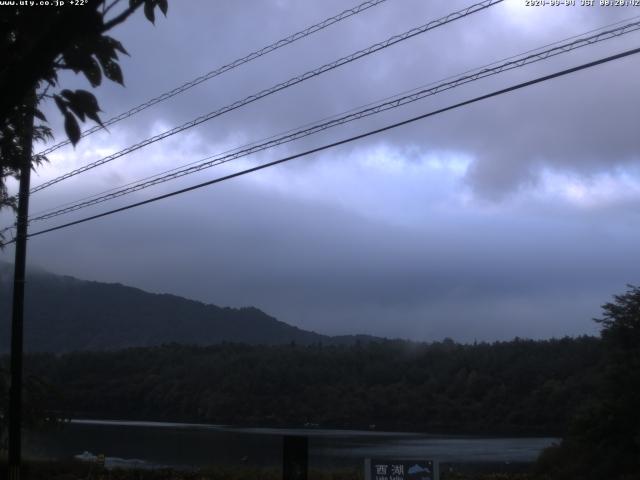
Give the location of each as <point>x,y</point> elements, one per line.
<point>492,240</point>
<point>585,122</point>
<point>329,269</point>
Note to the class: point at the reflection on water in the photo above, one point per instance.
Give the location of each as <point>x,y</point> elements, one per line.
<point>197,445</point>
<point>447,449</point>
<point>115,462</point>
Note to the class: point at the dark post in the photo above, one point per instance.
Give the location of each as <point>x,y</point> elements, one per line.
<point>295,457</point>
<point>15,393</point>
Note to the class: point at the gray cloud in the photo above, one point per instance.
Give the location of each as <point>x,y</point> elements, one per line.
<point>490,241</point>
<point>585,122</point>
<point>328,269</point>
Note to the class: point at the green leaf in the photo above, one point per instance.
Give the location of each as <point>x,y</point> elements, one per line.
<point>92,71</point>
<point>105,50</point>
<point>42,133</point>
<point>148,10</point>
<point>72,103</point>
<point>87,100</point>
<point>164,6</point>
<point>62,105</point>
<point>71,127</point>
<point>77,110</point>
<point>94,116</point>
<point>83,103</point>
<point>39,115</point>
<point>68,94</point>
<point>112,72</point>
<point>39,159</point>
<point>89,105</point>
<point>115,44</point>
<point>105,62</point>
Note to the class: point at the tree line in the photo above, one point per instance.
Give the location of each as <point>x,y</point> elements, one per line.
<point>519,387</point>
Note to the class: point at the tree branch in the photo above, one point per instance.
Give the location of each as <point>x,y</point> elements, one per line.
<point>106,9</point>
<point>120,18</point>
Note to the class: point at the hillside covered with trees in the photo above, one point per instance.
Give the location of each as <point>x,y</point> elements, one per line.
<point>64,314</point>
<point>603,438</point>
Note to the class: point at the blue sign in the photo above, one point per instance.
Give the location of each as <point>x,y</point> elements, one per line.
<point>400,470</point>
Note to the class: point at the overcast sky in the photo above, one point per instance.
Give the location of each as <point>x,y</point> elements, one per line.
<point>516,216</point>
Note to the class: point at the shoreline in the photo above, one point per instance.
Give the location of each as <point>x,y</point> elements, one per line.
<point>362,429</point>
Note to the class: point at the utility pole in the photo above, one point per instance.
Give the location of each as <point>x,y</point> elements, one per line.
<point>295,457</point>
<point>17,312</point>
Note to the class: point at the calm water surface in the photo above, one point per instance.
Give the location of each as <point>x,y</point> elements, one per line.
<point>150,444</point>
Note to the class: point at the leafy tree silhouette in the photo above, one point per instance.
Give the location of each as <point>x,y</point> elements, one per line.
<point>604,438</point>
<point>38,42</point>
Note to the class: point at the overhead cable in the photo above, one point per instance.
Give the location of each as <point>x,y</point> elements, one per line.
<point>219,159</point>
<point>342,142</point>
<point>601,29</point>
<point>225,68</point>
<point>276,88</point>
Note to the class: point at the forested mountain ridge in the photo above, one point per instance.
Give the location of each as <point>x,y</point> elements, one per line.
<point>64,314</point>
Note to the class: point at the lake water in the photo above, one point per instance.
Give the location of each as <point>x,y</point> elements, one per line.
<point>152,444</point>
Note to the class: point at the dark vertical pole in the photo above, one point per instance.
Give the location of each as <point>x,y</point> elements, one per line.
<point>295,457</point>
<point>15,394</point>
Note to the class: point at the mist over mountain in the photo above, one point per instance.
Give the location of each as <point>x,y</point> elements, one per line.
<point>65,314</point>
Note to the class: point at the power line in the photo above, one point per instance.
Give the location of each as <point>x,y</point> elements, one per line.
<point>290,136</point>
<point>344,141</point>
<point>225,68</point>
<point>281,86</point>
<point>223,157</point>
<point>255,142</point>
<point>354,109</point>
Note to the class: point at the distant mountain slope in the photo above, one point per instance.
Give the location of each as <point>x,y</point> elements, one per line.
<point>67,314</point>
